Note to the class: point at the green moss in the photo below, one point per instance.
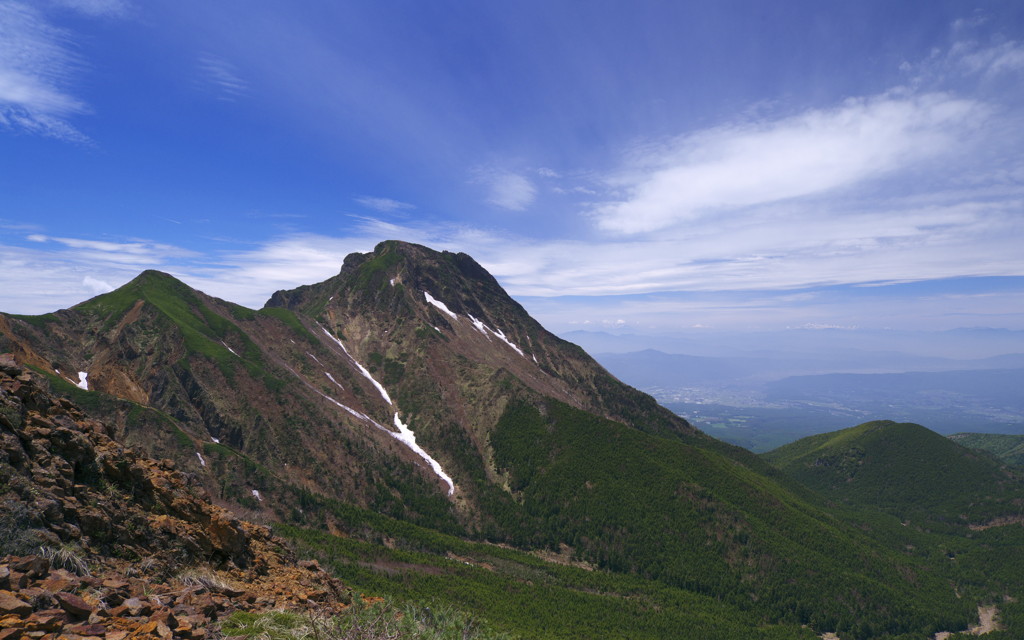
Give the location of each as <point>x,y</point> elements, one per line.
<point>215,449</point>
<point>289,318</point>
<point>39,322</point>
<point>371,274</point>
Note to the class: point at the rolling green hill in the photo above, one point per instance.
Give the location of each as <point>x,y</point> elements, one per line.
<point>904,469</point>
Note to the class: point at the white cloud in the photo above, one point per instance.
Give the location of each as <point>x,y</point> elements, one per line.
<point>96,286</point>
<point>384,205</point>
<point>1004,58</point>
<point>733,167</point>
<point>36,69</point>
<point>508,190</point>
<point>142,253</point>
<point>222,76</point>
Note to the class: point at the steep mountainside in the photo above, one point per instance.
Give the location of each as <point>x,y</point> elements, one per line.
<point>320,390</point>
<point>905,469</point>
<point>412,385</point>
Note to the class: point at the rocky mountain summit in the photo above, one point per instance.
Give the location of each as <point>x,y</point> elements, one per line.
<point>405,405</point>
<point>380,387</point>
<point>106,542</point>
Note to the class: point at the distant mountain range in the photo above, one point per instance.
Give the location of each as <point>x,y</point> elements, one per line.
<point>763,402</point>
<point>409,410</point>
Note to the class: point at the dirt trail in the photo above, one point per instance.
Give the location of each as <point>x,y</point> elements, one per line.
<point>986,622</point>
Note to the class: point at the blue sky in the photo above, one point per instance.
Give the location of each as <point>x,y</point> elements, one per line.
<point>650,166</point>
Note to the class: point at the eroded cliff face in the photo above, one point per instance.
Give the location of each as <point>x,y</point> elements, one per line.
<point>89,529</point>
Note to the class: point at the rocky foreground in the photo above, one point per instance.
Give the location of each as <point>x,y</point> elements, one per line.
<point>101,542</point>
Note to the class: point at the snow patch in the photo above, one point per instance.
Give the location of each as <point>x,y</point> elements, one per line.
<point>362,369</point>
<point>216,440</point>
<point>440,305</point>
<point>361,416</point>
<point>83,380</point>
<point>314,358</point>
<point>333,380</point>
<point>256,494</point>
<point>229,348</point>
<point>499,334</point>
<point>406,435</point>
<point>480,326</point>
<point>392,282</point>
<point>201,461</point>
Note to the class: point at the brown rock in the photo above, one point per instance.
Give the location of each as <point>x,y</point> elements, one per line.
<point>136,607</point>
<point>46,620</point>
<point>166,617</point>
<point>230,592</point>
<point>115,584</point>
<point>57,584</point>
<point>73,604</point>
<point>87,629</point>
<point>11,604</point>
<point>5,577</point>
<point>35,566</point>
<point>10,633</point>
<point>18,580</point>
<point>148,628</point>
<point>116,635</point>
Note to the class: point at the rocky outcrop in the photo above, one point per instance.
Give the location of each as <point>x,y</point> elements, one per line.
<point>102,542</point>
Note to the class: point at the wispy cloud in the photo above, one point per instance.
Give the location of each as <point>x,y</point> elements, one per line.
<point>1006,57</point>
<point>222,77</point>
<point>37,64</point>
<point>507,190</point>
<point>138,254</point>
<point>384,205</point>
<point>737,166</point>
<point>98,8</point>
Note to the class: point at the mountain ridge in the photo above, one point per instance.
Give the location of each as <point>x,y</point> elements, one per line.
<point>350,390</point>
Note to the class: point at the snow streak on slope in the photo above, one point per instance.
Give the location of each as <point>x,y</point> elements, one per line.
<point>362,369</point>
<point>334,381</point>
<point>440,305</point>
<point>480,326</point>
<point>406,435</point>
<point>83,380</point>
<point>500,335</point>
<point>361,416</point>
